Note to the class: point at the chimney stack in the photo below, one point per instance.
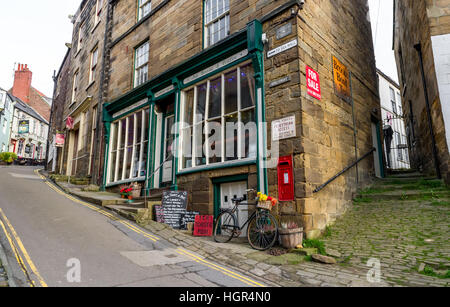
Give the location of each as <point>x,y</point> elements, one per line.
<point>22,83</point>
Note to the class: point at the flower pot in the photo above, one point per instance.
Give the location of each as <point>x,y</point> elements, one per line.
<point>130,197</point>
<point>136,193</point>
<point>123,196</point>
<point>290,238</point>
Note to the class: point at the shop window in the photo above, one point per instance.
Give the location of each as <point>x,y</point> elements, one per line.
<point>129,147</point>
<point>141,64</point>
<point>219,122</point>
<point>217,21</point>
<point>145,7</point>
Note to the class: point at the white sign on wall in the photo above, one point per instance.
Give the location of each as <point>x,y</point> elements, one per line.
<point>282,48</point>
<point>284,128</point>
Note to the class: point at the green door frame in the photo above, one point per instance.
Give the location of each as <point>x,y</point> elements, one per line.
<point>217,193</point>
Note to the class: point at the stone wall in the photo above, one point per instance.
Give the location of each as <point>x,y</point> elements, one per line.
<point>417,21</point>
<point>325,139</point>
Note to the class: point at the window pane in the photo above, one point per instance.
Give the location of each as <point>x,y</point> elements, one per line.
<point>114,136</point>
<point>231,103</point>
<point>136,161</point>
<point>214,141</point>
<point>120,157</point>
<point>231,137</point>
<point>201,103</point>
<point>144,160</point>
<point>215,98</point>
<point>198,146</point>
<point>139,127</point>
<point>250,134</point>
<point>189,107</point>
<point>113,167</point>
<point>187,147</point>
<point>130,130</point>
<point>247,87</point>
<point>147,123</point>
<point>129,159</point>
<point>123,123</point>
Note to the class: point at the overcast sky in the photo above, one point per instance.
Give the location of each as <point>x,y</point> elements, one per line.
<point>381,16</point>
<point>34,32</point>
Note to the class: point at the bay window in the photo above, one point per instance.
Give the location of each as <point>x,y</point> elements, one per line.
<point>219,120</point>
<point>217,21</point>
<point>129,147</point>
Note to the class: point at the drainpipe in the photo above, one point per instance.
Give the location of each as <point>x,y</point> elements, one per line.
<point>418,47</point>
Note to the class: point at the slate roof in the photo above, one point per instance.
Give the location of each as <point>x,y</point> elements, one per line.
<point>19,104</point>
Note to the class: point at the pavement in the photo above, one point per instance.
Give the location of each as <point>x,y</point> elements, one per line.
<point>53,239</point>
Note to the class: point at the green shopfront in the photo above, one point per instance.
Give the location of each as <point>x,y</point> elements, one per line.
<point>198,127</point>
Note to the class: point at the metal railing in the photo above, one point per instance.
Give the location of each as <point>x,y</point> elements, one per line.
<point>318,189</point>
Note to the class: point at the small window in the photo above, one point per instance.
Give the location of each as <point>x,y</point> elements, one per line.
<point>98,11</point>
<point>94,62</point>
<point>217,21</point>
<point>145,7</point>
<point>141,64</point>
<point>80,37</point>
<point>75,86</point>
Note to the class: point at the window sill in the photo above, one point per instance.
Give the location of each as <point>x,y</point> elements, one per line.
<point>90,84</point>
<point>96,25</point>
<point>228,164</point>
<point>113,184</point>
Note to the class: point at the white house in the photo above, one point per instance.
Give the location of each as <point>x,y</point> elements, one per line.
<point>29,132</point>
<point>396,145</point>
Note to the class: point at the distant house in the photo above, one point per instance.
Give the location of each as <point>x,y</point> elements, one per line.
<point>29,132</point>
<point>6,114</point>
<point>396,150</point>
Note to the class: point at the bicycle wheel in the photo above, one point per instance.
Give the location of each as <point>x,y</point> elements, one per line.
<point>262,231</point>
<point>225,227</point>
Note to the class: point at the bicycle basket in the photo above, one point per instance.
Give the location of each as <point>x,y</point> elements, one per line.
<point>267,205</point>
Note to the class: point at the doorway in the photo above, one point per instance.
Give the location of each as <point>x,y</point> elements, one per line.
<point>231,190</point>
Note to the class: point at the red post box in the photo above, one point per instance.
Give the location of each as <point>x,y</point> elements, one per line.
<point>285,179</point>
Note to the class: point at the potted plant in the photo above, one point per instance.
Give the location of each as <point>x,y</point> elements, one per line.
<point>127,193</point>
<point>8,157</point>
<point>291,235</point>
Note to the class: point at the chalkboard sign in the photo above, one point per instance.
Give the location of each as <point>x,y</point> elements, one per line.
<point>188,217</point>
<point>174,204</point>
<point>159,213</point>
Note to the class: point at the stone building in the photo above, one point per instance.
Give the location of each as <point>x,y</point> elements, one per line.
<point>60,107</point>
<point>422,44</point>
<point>299,77</point>
<point>83,93</point>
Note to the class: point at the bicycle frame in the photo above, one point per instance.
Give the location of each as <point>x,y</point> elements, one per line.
<point>233,212</point>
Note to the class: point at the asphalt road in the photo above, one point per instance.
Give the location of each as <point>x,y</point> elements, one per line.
<point>51,240</point>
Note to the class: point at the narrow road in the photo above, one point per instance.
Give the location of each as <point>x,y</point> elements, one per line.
<point>54,241</point>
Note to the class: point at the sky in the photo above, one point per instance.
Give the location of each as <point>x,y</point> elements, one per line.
<point>34,32</point>
<point>381,16</point>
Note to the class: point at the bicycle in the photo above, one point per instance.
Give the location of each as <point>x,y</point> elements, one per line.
<point>262,231</point>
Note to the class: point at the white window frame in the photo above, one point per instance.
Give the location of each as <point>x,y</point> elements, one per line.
<point>98,11</point>
<point>240,110</point>
<point>93,64</point>
<point>213,20</point>
<point>117,130</point>
<point>138,80</point>
<point>142,6</point>
<point>75,86</point>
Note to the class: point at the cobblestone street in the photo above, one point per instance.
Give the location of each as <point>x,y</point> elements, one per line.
<point>403,223</point>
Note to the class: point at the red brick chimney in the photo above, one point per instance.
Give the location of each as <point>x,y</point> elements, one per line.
<point>22,83</point>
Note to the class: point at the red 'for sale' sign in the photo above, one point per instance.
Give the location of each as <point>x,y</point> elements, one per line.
<point>203,226</point>
<point>313,83</point>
